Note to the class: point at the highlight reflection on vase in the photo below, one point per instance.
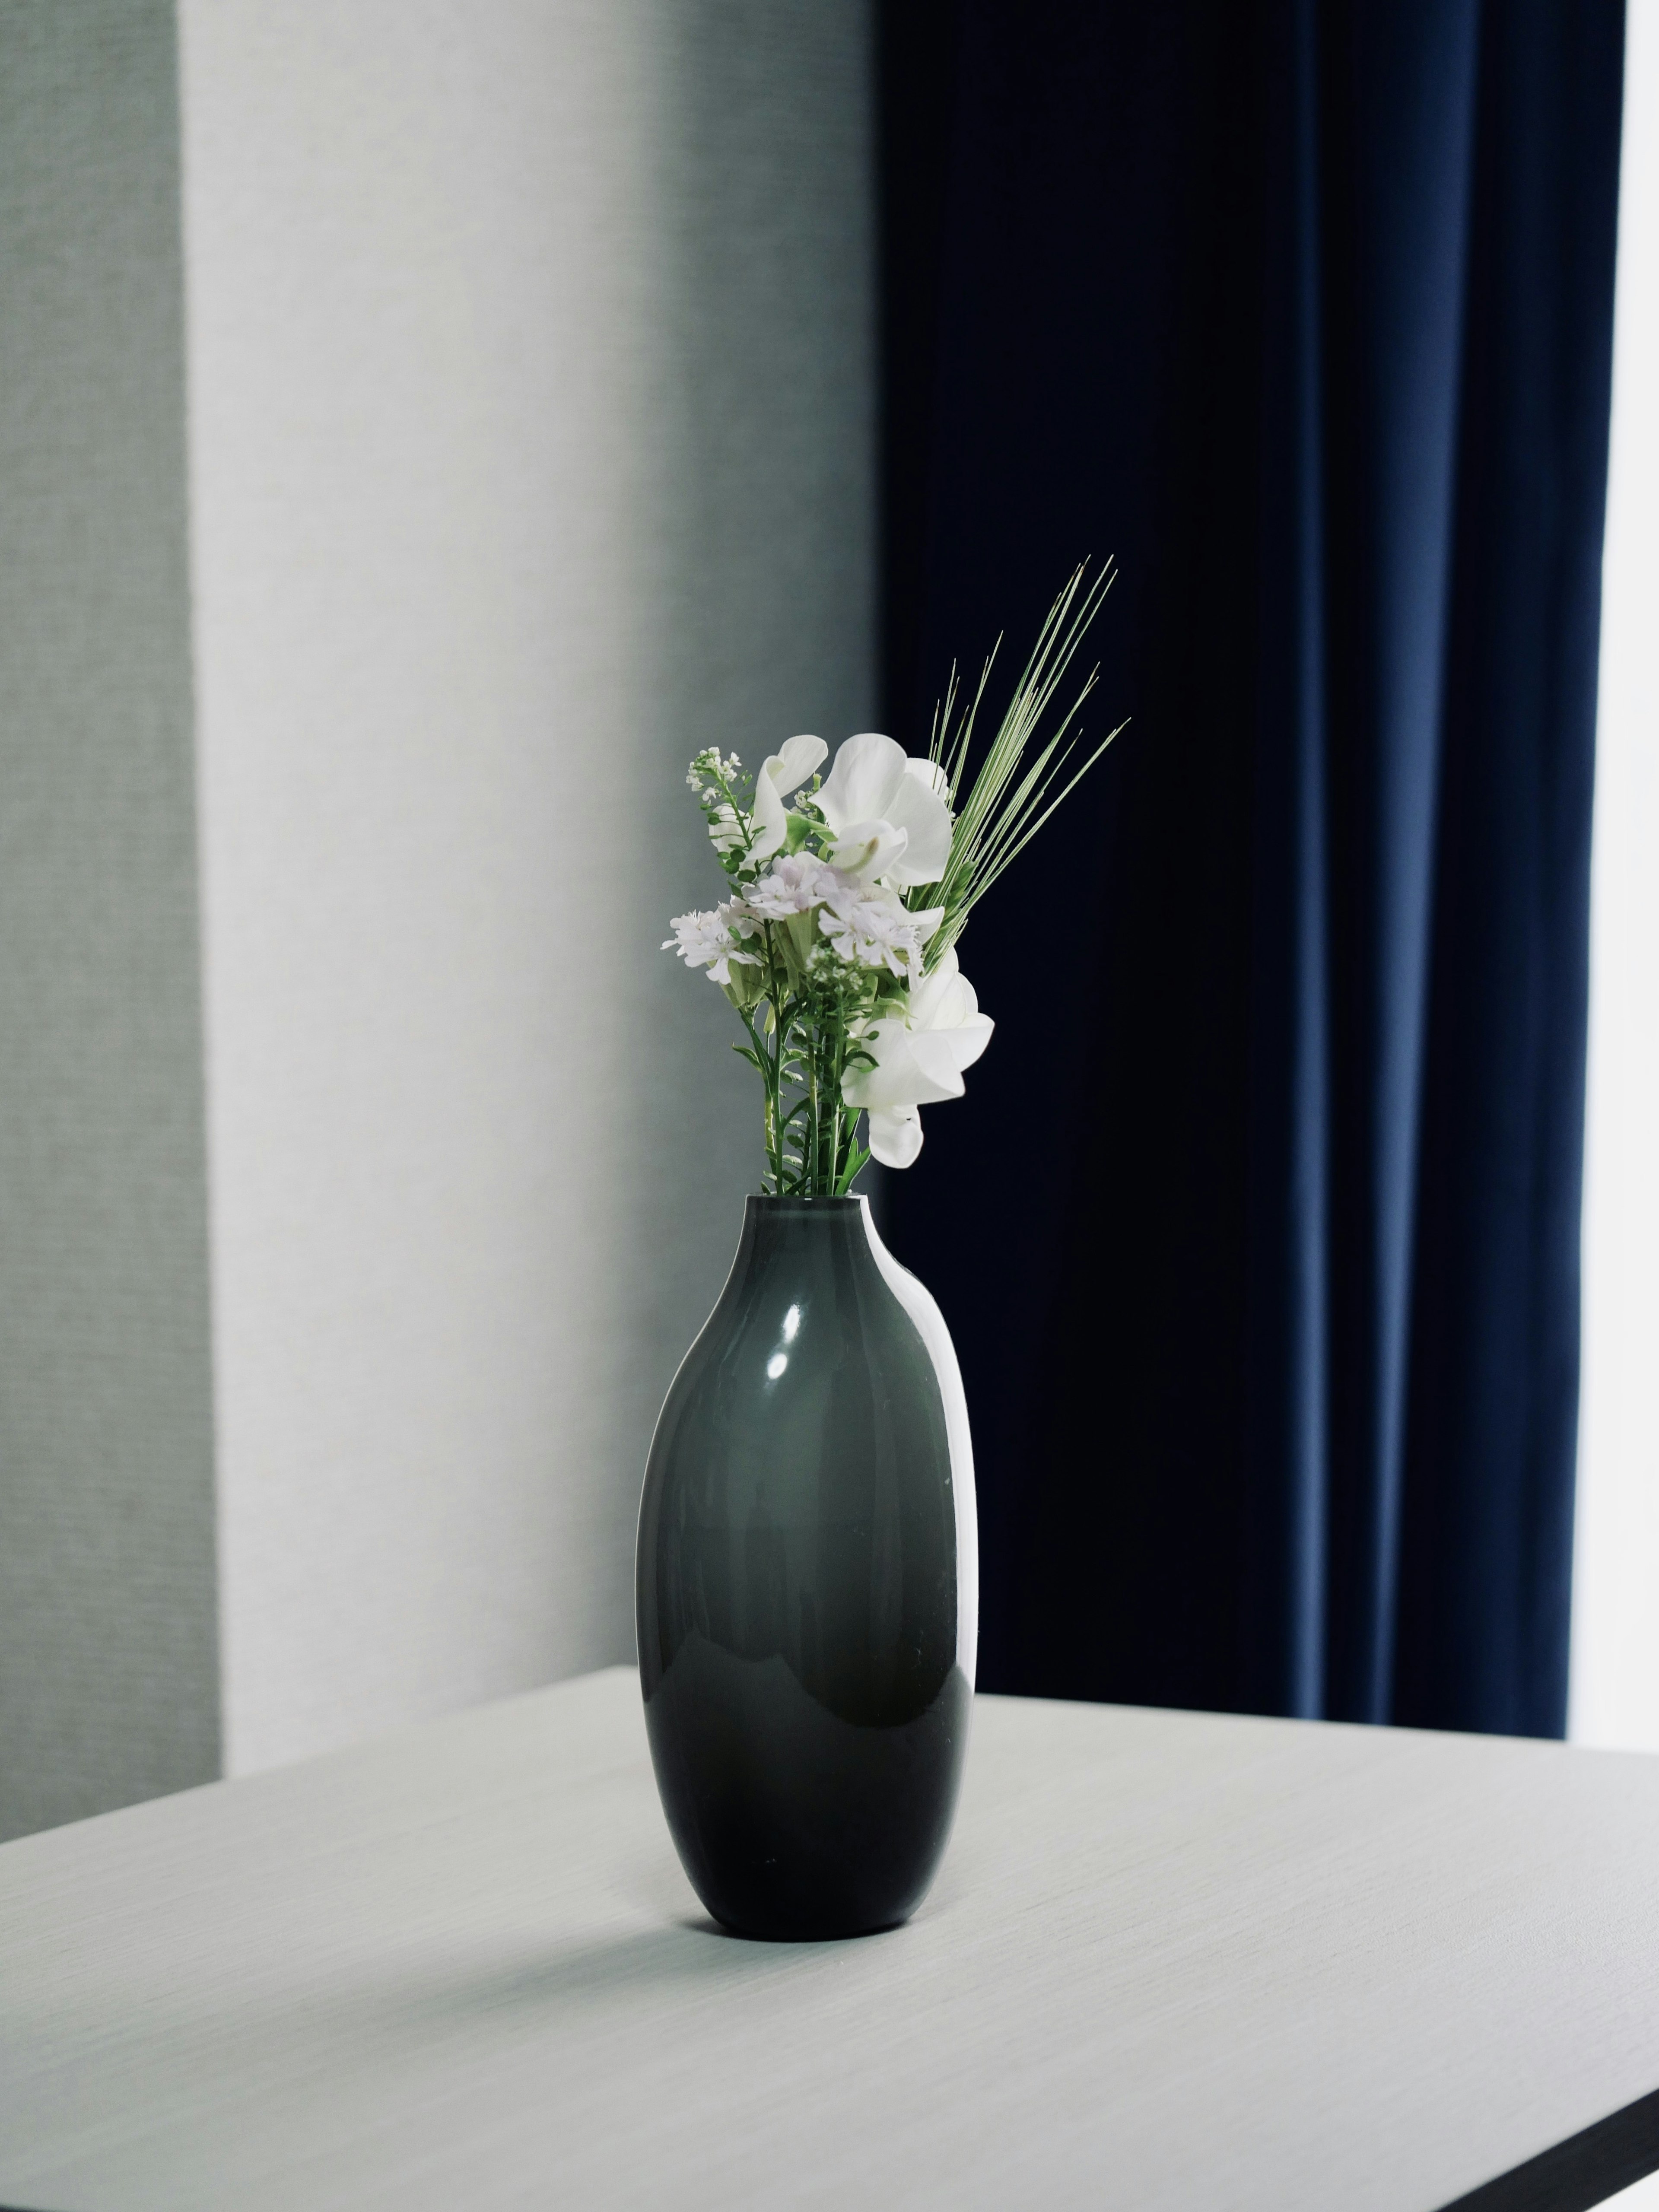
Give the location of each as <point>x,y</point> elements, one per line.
<point>807,1584</point>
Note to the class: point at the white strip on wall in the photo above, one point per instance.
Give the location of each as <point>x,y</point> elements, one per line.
<point>1615,1608</point>
<point>532,447</point>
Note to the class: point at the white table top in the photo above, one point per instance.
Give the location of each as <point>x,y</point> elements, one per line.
<point>1173,1961</point>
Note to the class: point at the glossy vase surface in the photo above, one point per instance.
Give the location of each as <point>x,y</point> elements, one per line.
<point>807,1584</point>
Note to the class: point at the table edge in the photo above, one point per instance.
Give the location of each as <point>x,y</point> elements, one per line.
<point>1573,2175</point>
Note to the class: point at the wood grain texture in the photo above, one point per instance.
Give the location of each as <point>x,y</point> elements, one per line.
<point>1173,1961</point>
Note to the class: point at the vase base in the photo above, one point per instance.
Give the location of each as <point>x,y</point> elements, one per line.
<point>793,1824</point>
<point>815,1934</point>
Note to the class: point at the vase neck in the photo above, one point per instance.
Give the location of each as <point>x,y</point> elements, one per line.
<point>832,1233</point>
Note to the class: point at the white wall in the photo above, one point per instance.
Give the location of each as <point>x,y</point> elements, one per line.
<point>531,448</point>
<point>1615,1635</point>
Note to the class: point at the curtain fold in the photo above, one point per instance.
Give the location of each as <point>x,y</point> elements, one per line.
<point>1258,1228</point>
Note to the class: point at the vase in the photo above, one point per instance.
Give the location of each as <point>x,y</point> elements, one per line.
<point>807,1584</point>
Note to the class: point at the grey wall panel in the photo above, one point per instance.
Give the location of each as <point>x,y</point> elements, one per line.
<point>108,1684</point>
<point>766,620</point>
<point>531,441</point>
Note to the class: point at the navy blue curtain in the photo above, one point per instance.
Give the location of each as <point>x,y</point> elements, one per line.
<point>1258,1229</point>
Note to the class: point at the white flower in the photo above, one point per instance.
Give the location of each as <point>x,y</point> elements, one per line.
<point>795,884</point>
<point>921,1058</point>
<point>712,941</point>
<point>708,771</point>
<point>887,812</point>
<point>725,830</point>
<point>874,930</point>
<point>867,927</point>
<point>779,773</point>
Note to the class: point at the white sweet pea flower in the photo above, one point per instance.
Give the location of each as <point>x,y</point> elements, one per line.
<point>779,773</point>
<point>725,830</point>
<point>712,941</point>
<point>887,813</point>
<point>921,1058</point>
<point>870,850</point>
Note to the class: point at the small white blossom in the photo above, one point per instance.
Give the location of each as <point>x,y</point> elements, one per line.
<point>874,930</point>
<point>708,772</point>
<point>794,884</point>
<point>712,941</point>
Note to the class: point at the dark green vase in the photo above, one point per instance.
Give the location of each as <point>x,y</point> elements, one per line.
<point>807,1585</point>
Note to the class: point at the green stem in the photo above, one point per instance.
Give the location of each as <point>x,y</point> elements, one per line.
<point>813,1163</point>
<point>833,1084</point>
<point>774,1067</point>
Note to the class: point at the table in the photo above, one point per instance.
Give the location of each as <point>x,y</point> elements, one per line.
<point>1173,1961</point>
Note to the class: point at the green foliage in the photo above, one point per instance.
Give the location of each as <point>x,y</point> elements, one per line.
<point>1011,797</point>
<point>798,1004</point>
<point>803,1004</point>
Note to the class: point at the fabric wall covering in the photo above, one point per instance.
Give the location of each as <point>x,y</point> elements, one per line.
<point>1258,1230</point>
<point>109,1648</point>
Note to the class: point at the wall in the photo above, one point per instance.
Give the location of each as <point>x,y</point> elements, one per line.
<point>1615,1618</point>
<point>503,434</point>
<point>108,1676</point>
<point>531,448</point>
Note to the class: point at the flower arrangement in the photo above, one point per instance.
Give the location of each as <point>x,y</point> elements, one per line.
<point>836,942</point>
